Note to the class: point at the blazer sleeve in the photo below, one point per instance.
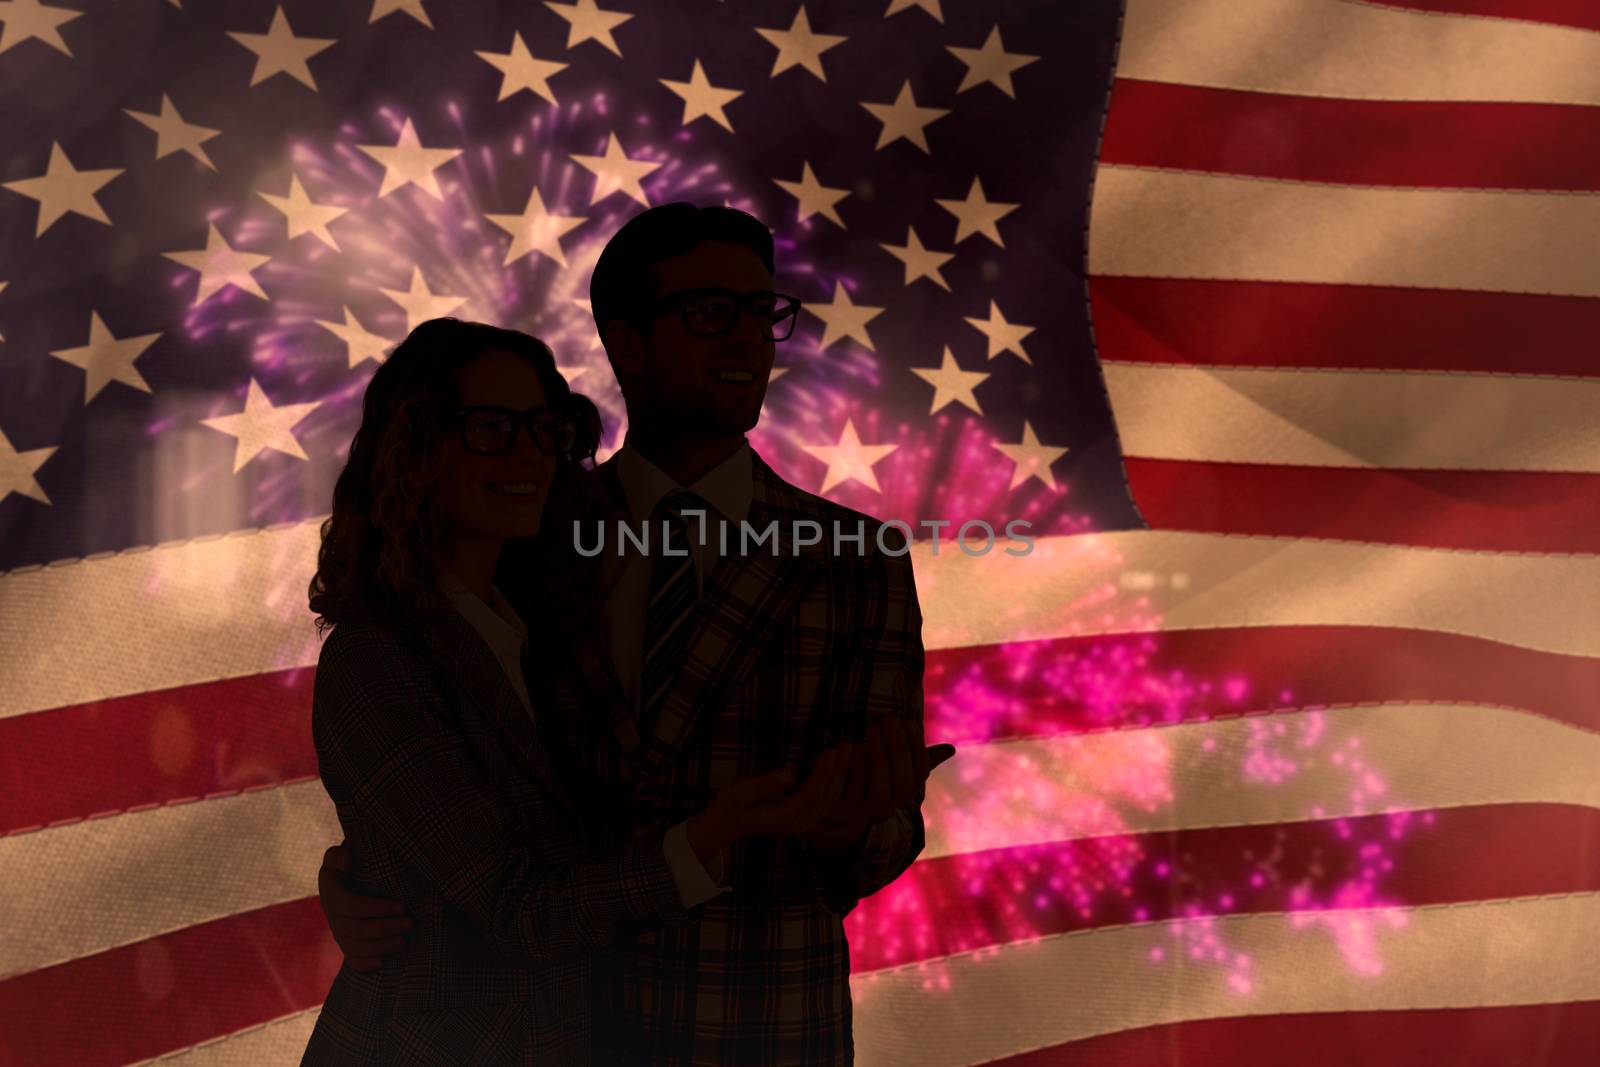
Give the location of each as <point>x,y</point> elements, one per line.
<point>890,686</point>
<point>388,747</point>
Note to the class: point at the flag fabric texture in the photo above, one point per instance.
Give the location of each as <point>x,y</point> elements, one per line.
<point>1232,363</point>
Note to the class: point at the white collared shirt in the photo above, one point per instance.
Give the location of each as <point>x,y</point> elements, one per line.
<point>503,630</point>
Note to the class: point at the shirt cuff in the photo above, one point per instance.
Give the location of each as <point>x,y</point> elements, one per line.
<point>697,883</point>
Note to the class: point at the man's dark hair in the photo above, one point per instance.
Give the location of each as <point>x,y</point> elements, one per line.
<point>623,282</point>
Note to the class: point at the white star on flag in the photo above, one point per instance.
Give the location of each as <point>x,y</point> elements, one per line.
<point>23,19</point>
<point>920,262</point>
<point>106,359</point>
<point>175,135</point>
<point>849,458</point>
<point>303,215</point>
<point>520,70</point>
<point>991,63</point>
<point>815,198</point>
<point>408,162</point>
<point>63,188</point>
<point>977,214</point>
<point>701,99</point>
<point>587,22</point>
<point>536,230</point>
<point>360,343</point>
<point>844,318</point>
<point>930,6</point>
<point>1003,336</point>
<point>17,470</point>
<point>220,265</point>
<point>279,51</point>
<point>904,118</point>
<point>798,46</point>
<point>615,171</point>
<point>422,303</point>
<point>950,383</point>
<point>261,425</point>
<point>380,8</point>
<point>1033,459</point>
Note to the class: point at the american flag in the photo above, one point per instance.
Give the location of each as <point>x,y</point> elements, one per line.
<point>1276,319</point>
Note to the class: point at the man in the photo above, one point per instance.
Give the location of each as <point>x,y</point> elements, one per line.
<point>730,663</point>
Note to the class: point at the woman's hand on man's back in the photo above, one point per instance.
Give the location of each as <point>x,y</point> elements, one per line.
<point>366,929</point>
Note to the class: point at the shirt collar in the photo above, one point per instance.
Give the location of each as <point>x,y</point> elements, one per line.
<point>729,486</point>
<point>496,620</point>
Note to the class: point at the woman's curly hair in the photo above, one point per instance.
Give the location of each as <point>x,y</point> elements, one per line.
<point>384,543</point>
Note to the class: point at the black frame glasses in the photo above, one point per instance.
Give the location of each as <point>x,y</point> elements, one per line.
<point>691,301</point>
<point>550,430</point>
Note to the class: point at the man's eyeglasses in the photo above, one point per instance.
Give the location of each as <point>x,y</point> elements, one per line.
<point>489,430</point>
<point>712,312</point>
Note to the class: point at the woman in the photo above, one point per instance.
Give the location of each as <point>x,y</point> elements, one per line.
<point>426,734</point>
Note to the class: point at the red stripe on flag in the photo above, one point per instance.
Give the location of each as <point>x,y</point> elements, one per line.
<point>965,902</point>
<point>170,992</point>
<point>1043,688</point>
<point>1431,144</point>
<point>258,729</point>
<point>155,748</point>
<point>1291,324</point>
<point>1536,1035</point>
<point>216,978</point>
<point>1583,14</point>
<point>1554,512</point>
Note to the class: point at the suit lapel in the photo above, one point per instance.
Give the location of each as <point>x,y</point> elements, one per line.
<point>747,601</point>
<point>601,693</point>
<point>485,683</point>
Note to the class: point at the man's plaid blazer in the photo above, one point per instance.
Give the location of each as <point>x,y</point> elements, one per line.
<point>789,653</point>
<point>452,805</point>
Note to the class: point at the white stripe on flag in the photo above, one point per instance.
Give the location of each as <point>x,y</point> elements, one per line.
<point>233,607</point>
<point>1068,586</point>
<point>94,885</point>
<point>1170,224</point>
<point>1413,757</point>
<point>1354,418</point>
<point>1037,994</point>
<point>260,847</point>
<point>176,614</point>
<point>1342,49</point>
<point>281,1041</point>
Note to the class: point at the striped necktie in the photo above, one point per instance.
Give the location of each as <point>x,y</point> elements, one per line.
<point>673,594</point>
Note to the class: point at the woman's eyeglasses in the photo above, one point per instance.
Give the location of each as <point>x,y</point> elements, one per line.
<point>488,430</point>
